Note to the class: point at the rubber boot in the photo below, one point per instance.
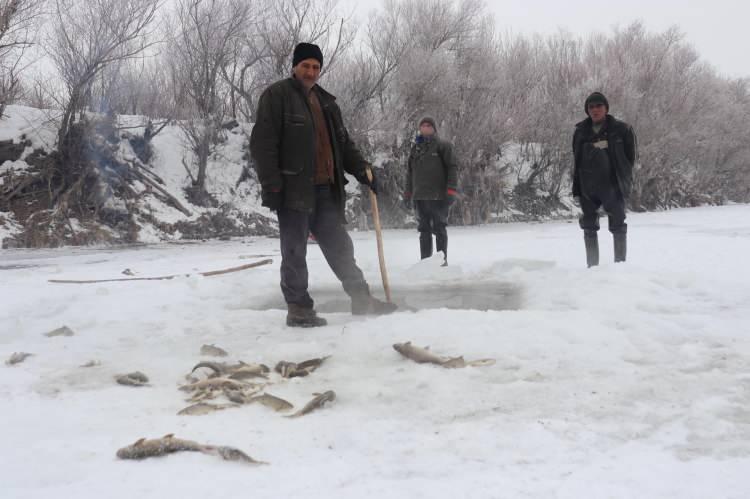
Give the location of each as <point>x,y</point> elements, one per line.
<point>592,248</point>
<point>299,316</point>
<point>621,246</point>
<point>425,244</point>
<point>441,244</point>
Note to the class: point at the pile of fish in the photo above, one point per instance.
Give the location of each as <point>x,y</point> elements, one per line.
<point>244,383</point>
<point>240,383</point>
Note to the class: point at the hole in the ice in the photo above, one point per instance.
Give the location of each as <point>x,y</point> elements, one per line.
<point>481,296</point>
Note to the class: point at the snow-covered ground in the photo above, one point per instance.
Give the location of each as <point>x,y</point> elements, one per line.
<point>628,380</point>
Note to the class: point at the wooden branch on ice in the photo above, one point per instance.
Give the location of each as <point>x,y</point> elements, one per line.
<point>166,277</point>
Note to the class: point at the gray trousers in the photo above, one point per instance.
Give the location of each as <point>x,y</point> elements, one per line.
<point>326,225</point>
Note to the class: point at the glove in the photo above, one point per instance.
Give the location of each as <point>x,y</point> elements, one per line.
<point>271,200</point>
<point>450,196</point>
<point>407,201</point>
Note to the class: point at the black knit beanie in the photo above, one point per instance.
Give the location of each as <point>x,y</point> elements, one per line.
<point>429,120</point>
<point>307,51</point>
<point>596,97</point>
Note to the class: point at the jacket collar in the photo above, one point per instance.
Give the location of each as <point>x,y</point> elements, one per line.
<point>610,121</point>
<point>325,96</point>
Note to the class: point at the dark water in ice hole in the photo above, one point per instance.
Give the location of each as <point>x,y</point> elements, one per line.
<point>481,296</point>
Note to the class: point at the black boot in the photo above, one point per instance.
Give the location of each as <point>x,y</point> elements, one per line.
<point>369,305</point>
<point>621,246</point>
<point>592,248</point>
<point>299,316</point>
<point>425,244</point>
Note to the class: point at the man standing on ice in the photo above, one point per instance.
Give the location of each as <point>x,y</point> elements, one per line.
<point>604,151</point>
<point>431,178</point>
<point>301,149</point>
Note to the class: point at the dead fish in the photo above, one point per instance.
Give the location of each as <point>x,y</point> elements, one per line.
<point>288,369</point>
<point>294,369</point>
<point>241,396</point>
<point>250,371</point>
<point>17,358</point>
<point>213,384</point>
<point>136,378</point>
<point>201,395</point>
<point>218,368</point>
<point>240,370</point>
<point>272,402</point>
<point>157,447</point>
<point>231,454</point>
<point>319,400</point>
<point>144,448</point>
<point>213,350</point>
<point>61,331</point>
<point>201,409</point>
<point>312,364</point>
<point>91,363</point>
<point>425,356</point>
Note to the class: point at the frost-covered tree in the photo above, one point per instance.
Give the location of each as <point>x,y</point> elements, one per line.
<point>18,18</point>
<point>204,34</point>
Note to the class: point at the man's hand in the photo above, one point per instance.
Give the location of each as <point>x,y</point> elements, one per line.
<point>407,202</point>
<point>450,196</point>
<point>272,200</point>
<point>372,184</point>
<point>577,201</point>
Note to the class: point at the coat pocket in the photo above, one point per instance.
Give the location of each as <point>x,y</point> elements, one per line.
<point>295,144</point>
<point>294,120</point>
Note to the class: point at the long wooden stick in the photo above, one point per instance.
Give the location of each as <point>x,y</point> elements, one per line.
<point>379,237</point>
<point>167,277</point>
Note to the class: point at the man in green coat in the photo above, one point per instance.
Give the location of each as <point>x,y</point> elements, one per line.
<point>301,149</point>
<point>431,179</point>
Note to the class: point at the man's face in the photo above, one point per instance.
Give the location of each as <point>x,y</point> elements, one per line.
<point>426,130</point>
<point>597,111</point>
<point>307,72</point>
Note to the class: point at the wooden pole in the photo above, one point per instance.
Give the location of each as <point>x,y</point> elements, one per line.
<point>379,237</point>
<point>165,277</point>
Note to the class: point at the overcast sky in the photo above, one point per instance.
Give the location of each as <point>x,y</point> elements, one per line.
<point>718,29</point>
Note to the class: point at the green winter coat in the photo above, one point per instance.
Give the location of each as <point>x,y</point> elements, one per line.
<point>431,170</point>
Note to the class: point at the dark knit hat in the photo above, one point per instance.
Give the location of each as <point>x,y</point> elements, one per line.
<point>596,97</point>
<point>306,51</point>
<point>429,120</point>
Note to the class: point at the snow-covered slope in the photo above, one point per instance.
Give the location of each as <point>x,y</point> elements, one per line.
<point>628,380</point>
<point>238,209</point>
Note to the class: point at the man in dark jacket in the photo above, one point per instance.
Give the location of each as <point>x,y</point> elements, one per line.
<point>431,179</point>
<point>605,151</point>
<point>301,150</point>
